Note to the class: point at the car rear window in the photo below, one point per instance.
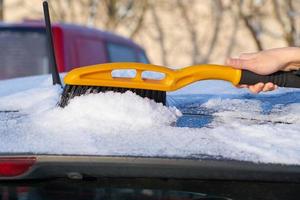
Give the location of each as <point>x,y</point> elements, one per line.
<point>121,53</point>
<point>142,57</point>
<point>23,52</point>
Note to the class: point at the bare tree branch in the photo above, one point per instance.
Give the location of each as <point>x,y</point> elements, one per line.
<point>93,12</point>
<point>287,25</point>
<point>57,10</point>
<point>140,20</point>
<point>233,35</point>
<point>196,55</point>
<point>62,13</point>
<point>72,11</point>
<point>112,14</point>
<point>291,35</point>
<point>161,36</point>
<point>217,6</point>
<point>248,20</point>
<point>1,10</point>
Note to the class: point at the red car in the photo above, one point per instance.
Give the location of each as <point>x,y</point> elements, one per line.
<point>23,49</point>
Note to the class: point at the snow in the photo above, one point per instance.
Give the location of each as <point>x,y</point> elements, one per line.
<point>236,125</point>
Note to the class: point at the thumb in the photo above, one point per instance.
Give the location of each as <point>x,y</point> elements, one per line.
<point>238,63</point>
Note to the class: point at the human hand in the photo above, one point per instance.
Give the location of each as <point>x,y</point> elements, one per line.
<point>265,63</point>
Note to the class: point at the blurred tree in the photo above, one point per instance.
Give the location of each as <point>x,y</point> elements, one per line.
<point>200,54</point>
<point>250,16</point>
<point>1,10</point>
<point>179,32</point>
<point>192,30</point>
<point>93,12</point>
<point>112,15</point>
<point>160,38</point>
<point>235,18</point>
<point>127,14</point>
<point>256,16</point>
<point>285,14</point>
<point>217,14</point>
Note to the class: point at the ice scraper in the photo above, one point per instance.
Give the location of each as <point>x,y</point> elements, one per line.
<point>99,78</point>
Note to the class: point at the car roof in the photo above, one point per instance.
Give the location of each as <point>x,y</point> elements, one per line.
<point>82,30</point>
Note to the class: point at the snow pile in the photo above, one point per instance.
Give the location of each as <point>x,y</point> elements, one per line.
<point>109,112</point>
<point>251,129</point>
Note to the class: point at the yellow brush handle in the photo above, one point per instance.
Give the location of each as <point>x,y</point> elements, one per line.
<point>101,75</point>
<point>196,73</point>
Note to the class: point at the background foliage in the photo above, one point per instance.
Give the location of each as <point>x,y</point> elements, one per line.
<point>178,32</point>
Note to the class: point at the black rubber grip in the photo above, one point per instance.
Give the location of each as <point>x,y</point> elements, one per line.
<point>282,79</point>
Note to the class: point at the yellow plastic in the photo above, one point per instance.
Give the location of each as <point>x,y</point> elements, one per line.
<point>101,75</point>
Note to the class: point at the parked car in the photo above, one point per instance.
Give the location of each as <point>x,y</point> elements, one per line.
<point>23,49</point>
<point>240,153</point>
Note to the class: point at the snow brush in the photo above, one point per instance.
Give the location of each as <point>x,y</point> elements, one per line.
<point>99,78</point>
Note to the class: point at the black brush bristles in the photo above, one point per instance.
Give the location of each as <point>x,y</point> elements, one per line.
<point>71,91</point>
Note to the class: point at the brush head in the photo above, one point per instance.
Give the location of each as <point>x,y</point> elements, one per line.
<point>99,78</point>
<point>71,91</point>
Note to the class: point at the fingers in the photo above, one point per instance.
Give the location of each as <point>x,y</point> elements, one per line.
<point>242,86</point>
<point>245,61</point>
<point>268,87</point>
<point>259,87</point>
<point>256,62</point>
<point>291,67</point>
<point>240,63</point>
<point>235,62</point>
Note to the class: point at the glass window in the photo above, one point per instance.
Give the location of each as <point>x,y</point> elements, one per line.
<point>121,53</point>
<point>142,57</point>
<point>23,52</point>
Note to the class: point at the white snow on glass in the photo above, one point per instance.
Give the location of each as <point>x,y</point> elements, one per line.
<point>126,124</point>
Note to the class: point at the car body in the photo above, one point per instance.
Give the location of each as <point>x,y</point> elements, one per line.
<point>147,172</point>
<point>214,179</point>
<point>24,48</point>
